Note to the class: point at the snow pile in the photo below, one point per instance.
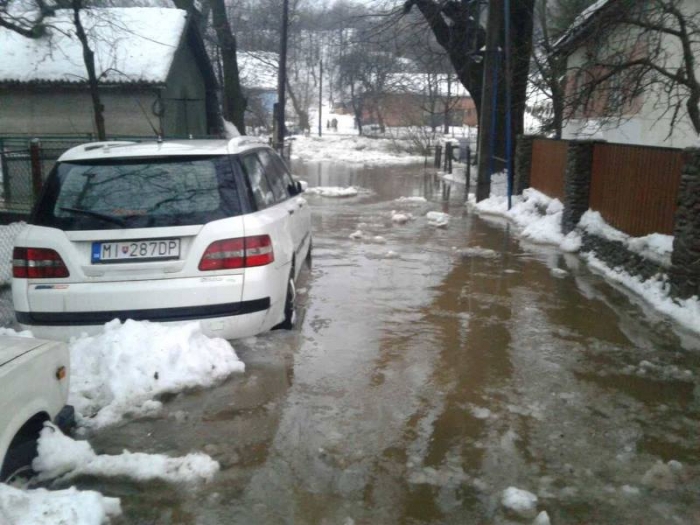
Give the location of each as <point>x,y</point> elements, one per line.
<point>412,200</point>
<point>477,251</point>
<point>400,218</point>
<point>538,216</point>
<point>14,333</point>
<point>332,191</point>
<point>121,370</point>
<point>7,239</point>
<point>438,219</point>
<point>350,148</point>
<point>43,507</point>
<point>655,291</point>
<point>664,476</point>
<point>519,502</point>
<point>659,371</point>
<point>356,235</point>
<point>230,130</point>
<point>656,247</point>
<point>61,456</point>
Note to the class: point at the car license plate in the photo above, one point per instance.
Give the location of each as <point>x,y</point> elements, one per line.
<point>126,251</point>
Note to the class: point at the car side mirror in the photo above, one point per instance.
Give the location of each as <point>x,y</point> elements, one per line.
<point>303,185</point>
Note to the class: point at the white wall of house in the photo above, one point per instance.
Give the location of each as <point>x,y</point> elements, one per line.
<point>60,110</point>
<point>36,109</point>
<point>650,122</point>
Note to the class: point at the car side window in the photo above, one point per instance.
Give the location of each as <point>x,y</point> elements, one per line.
<point>274,176</point>
<point>262,193</point>
<point>282,168</point>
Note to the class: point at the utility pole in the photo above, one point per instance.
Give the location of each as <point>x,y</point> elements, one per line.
<point>282,77</point>
<point>508,51</point>
<point>489,102</point>
<point>320,98</point>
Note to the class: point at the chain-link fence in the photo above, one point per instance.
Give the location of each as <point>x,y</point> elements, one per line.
<point>24,165</point>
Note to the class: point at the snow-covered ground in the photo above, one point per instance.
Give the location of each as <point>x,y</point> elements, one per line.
<point>538,218</point>
<point>124,369</point>
<point>60,456</point>
<point>352,148</point>
<point>52,507</point>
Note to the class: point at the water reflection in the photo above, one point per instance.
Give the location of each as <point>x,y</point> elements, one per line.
<point>421,384</point>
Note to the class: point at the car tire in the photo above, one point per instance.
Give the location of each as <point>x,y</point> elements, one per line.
<point>18,461</point>
<point>289,304</point>
<point>309,256</point>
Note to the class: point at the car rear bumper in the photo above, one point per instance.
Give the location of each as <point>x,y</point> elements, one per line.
<point>247,319</point>
<point>165,315</point>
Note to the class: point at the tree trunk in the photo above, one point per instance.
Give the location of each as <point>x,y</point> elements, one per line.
<point>302,113</point>
<point>89,59</point>
<point>234,102</point>
<point>495,141</point>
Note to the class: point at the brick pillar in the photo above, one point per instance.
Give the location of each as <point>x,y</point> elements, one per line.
<point>685,259</point>
<point>577,182</point>
<point>523,163</point>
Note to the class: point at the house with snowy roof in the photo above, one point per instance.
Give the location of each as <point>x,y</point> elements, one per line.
<point>154,76</point>
<point>258,75</point>
<point>633,53</point>
<point>420,99</point>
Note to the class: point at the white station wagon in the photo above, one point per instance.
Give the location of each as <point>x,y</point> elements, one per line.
<point>208,230</point>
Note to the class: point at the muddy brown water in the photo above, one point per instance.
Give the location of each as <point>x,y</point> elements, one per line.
<point>425,377</point>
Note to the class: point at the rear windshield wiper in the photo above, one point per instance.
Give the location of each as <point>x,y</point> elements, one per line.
<point>96,214</point>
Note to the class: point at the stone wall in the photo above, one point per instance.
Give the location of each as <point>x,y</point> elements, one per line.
<point>523,163</point>
<point>685,260</point>
<point>615,254</point>
<point>577,184</point>
<point>684,269</point>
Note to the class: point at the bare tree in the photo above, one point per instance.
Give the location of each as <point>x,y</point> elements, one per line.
<point>549,68</point>
<point>644,51</point>
<point>233,99</point>
<point>32,22</point>
<point>89,59</point>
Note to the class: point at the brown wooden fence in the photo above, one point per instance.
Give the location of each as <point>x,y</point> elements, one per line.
<point>635,188</point>
<point>549,166</point>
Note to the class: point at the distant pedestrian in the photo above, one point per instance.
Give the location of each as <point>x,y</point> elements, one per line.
<point>334,124</point>
<point>328,124</point>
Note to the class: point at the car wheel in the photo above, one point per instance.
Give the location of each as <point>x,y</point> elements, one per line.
<point>289,304</point>
<point>17,467</point>
<point>309,257</point>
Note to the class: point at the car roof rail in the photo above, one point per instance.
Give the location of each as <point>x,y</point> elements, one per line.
<point>107,144</point>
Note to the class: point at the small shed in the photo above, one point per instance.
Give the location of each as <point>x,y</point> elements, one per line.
<point>153,69</point>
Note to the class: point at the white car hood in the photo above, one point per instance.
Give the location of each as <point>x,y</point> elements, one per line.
<point>13,347</point>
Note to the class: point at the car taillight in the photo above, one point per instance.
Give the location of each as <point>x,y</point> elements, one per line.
<point>37,263</point>
<point>244,252</point>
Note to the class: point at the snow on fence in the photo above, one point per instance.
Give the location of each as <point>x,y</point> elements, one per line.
<point>634,188</point>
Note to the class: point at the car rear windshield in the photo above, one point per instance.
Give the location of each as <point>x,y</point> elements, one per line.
<point>138,193</point>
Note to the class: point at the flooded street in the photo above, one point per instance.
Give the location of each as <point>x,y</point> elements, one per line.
<point>430,370</point>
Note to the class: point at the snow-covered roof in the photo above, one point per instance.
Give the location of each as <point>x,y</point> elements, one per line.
<point>581,23</point>
<point>131,45</point>
<point>258,69</point>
